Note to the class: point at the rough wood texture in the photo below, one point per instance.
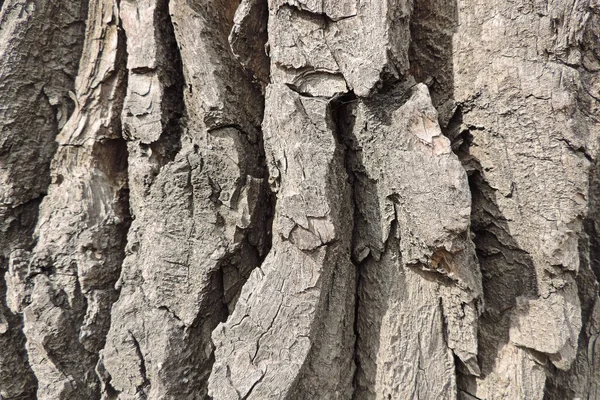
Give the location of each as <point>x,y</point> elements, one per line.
<point>40,46</point>
<point>299,199</point>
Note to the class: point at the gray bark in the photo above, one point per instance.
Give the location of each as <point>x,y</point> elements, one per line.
<point>299,199</point>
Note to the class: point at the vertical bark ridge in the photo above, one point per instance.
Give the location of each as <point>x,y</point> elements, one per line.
<point>66,287</point>
<point>321,284</point>
<point>531,187</point>
<point>418,279</point>
<point>200,212</point>
<point>300,64</point>
<point>40,46</point>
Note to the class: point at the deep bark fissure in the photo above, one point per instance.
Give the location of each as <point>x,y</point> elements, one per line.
<point>494,247</point>
<point>340,108</point>
<point>173,105</point>
<point>432,26</point>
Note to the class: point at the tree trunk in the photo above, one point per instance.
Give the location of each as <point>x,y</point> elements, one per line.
<point>298,199</point>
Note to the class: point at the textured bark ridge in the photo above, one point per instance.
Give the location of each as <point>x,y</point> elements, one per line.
<point>40,46</point>
<point>299,199</point>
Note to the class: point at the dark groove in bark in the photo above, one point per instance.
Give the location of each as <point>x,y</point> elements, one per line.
<point>495,249</point>
<point>344,122</point>
<point>173,103</point>
<point>140,355</point>
<point>116,168</point>
<point>432,25</point>
<point>359,282</point>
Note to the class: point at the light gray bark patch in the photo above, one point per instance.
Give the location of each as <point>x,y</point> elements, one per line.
<point>291,333</point>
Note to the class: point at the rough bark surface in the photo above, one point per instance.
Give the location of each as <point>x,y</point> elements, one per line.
<point>299,199</point>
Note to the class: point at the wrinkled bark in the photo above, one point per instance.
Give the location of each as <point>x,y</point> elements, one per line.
<point>299,199</point>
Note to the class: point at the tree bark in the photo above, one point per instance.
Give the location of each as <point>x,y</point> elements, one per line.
<point>298,199</point>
